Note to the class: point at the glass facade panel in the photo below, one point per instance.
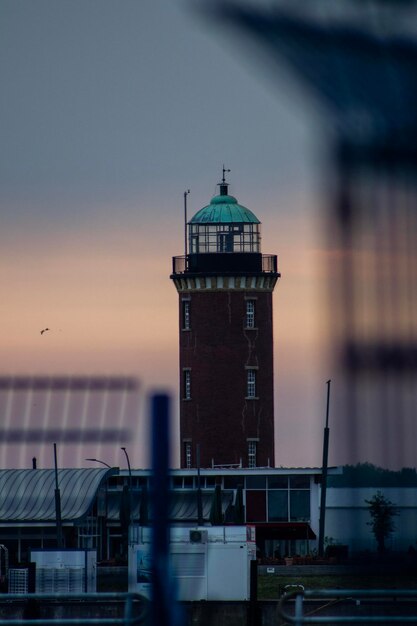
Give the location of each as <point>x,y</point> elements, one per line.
<point>256,506</point>
<point>255,482</point>
<point>299,505</point>
<point>278,482</point>
<point>232,482</point>
<point>300,481</point>
<point>278,506</point>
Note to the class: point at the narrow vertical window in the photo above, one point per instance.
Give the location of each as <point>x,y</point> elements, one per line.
<point>251,454</point>
<point>251,383</point>
<point>187,454</point>
<point>250,313</point>
<point>186,315</point>
<point>187,384</point>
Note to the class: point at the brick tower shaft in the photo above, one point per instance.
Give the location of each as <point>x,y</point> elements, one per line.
<point>226,339</point>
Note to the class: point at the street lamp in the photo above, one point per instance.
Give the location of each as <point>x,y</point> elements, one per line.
<point>128,465</point>
<point>130,484</point>
<point>98,461</point>
<point>104,549</point>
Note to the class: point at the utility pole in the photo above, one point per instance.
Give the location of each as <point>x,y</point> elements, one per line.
<point>324,476</point>
<point>185,224</point>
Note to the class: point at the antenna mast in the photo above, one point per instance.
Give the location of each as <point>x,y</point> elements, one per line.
<point>223,185</point>
<point>185,224</point>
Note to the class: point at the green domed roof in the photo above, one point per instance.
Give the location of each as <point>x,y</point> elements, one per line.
<point>224,209</point>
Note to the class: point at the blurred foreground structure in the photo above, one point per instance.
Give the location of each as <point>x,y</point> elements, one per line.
<point>84,415</point>
<point>358,60</point>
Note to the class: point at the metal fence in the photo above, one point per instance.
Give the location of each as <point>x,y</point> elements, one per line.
<point>30,609</point>
<point>348,606</point>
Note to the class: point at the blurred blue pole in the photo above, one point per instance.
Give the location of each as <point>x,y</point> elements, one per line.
<point>165,611</point>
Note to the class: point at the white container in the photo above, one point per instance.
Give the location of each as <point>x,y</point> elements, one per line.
<point>206,563</point>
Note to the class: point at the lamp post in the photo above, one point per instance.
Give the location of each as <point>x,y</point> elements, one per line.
<point>130,482</point>
<point>98,461</point>
<point>103,537</point>
<point>128,465</point>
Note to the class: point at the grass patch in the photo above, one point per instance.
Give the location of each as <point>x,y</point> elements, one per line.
<point>272,586</point>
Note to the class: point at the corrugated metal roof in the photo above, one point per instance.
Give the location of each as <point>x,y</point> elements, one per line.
<point>28,495</point>
<point>182,506</point>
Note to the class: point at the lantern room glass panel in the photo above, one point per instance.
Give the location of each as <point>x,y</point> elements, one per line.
<point>205,238</point>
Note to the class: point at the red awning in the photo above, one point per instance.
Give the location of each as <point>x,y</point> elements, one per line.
<point>284,530</point>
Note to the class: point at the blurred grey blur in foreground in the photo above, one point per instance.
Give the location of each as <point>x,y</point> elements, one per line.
<point>359,60</point>
<point>86,416</point>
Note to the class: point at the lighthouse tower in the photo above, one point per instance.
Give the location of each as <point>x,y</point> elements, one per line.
<point>225,290</point>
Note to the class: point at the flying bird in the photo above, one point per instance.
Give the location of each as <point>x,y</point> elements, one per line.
<point>44,330</point>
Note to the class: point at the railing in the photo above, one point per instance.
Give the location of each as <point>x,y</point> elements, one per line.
<point>179,264</point>
<point>135,611</point>
<point>268,262</point>
<point>334,597</point>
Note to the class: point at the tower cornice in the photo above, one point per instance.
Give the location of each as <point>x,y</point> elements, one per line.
<point>224,282</point>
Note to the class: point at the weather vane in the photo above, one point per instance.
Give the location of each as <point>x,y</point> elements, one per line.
<point>224,172</point>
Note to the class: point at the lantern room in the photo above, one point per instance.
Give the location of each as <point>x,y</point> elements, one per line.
<point>223,237</point>
<point>224,226</point>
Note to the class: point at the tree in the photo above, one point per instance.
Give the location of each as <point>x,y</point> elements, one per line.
<point>382,512</point>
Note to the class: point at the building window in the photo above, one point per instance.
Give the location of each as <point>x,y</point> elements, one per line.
<point>250,313</point>
<point>187,454</point>
<point>251,383</point>
<point>278,505</point>
<point>299,505</point>
<point>251,454</point>
<point>255,506</point>
<point>187,384</point>
<point>186,315</point>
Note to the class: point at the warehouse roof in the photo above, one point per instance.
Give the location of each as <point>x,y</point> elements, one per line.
<point>28,495</point>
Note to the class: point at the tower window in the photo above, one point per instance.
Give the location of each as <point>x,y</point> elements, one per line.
<point>187,384</point>
<point>186,315</point>
<point>252,454</point>
<point>250,313</point>
<point>187,454</point>
<point>251,383</point>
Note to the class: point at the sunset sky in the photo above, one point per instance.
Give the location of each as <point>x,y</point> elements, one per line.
<point>109,110</point>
